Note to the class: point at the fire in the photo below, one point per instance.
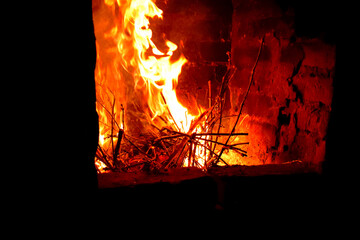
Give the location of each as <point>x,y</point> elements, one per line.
<point>155,73</point>
<point>152,72</point>
<point>136,94</point>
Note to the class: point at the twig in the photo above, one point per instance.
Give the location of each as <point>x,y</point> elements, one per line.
<point>211,117</point>
<point>190,153</point>
<point>100,158</point>
<point>199,119</point>
<point>220,143</point>
<point>220,121</point>
<point>194,154</point>
<point>179,155</point>
<point>180,144</point>
<point>209,85</point>
<point>244,143</point>
<point>162,95</point>
<point>117,147</point>
<point>199,143</point>
<point>141,151</point>
<point>135,164</point>
<point>122,116</point>
<point>220,134</point>
<point>176,153</point>
<point>109,113</point>
<point>225,145</point>
<point>172,136</point>
<point>245,96</point>
<point>104,158</point>
<point>224,83</point>
<point>112,129</point>
<point>165,148</point>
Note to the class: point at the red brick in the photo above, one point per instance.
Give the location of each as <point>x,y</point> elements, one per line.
<point>262,136</point>
<point>313,118</point>
<point>244,51</point>
<point>315,84</point>
<point>240,79</point>
<point>304,147</point>
<point>318,54</point>
<point>292,54</point>
<point>214,51</point>
<point>287,133</point>
<point>193,81</point>
<point>282,26</point>
<point>256,9</point>
<point>260,106</point>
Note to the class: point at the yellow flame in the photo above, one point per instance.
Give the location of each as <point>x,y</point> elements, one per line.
<point>154,72</point>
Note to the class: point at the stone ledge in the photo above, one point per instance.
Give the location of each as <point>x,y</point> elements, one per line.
<point>173,176</point>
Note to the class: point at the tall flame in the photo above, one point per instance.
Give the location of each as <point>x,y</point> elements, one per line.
<point>136,89</point>
<point>131,62</point>
<point>154,72</point>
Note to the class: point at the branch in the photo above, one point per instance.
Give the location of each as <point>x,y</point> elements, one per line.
<point>220,134</point>
<point>246,94</point>
<point>223,144</point>
<point>141,151</point>
<point>117,147</point>
<point>103,158</point>
<point>109,113</point>
<point>218,157</point>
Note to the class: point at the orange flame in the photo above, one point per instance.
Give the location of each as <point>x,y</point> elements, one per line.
<point>153,72</point>
<point>130,53</point>
<point>128,62</point>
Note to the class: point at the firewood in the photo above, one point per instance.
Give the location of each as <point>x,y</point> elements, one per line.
<point>117,147</point>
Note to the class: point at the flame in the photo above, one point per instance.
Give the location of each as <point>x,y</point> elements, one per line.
<point>130,66</point>
<point>130,57</point>
<point>154,73</point>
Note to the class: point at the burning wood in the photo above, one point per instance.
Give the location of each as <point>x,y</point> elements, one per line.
<point>159,132</point>
<point>170,148</point>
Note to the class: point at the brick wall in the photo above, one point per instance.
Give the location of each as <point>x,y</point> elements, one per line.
<point>202,29</point>
<point>290,101</point>
<point>287,109</point>
<point>288,106</point>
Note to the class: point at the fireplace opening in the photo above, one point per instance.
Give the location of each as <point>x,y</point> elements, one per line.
<point>202,84</point>
<point>290,138</point>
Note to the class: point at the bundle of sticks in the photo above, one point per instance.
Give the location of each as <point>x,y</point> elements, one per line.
<point>168,147</point>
